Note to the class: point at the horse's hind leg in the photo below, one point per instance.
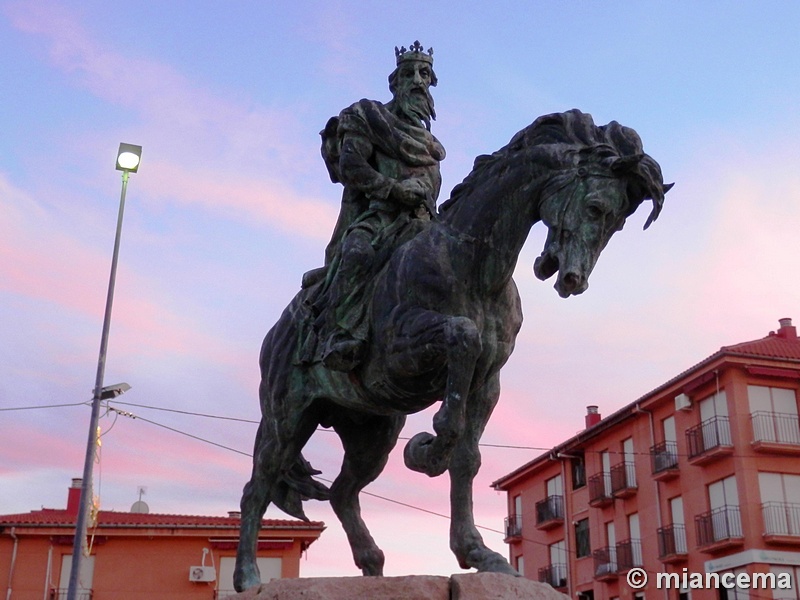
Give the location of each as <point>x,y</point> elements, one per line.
<point>270,456</point>
<point>367,443</point>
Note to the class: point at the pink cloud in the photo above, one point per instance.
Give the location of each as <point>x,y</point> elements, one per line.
<point>272,202</point>
<point>241,155</point>
<point>66,272</point>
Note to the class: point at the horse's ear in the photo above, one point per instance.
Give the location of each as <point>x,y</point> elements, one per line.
<point>667,187</point>
<point>626,164</point>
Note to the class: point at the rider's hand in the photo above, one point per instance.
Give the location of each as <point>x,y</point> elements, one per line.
<point>410,192</point>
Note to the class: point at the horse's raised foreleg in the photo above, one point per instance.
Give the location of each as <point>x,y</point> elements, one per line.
<point>367,443</point>
<point>462,345</point>
<point>465,541</point>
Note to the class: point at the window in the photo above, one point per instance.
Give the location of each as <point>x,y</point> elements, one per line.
<point>611,541</point>
<point>678,524</point>
<point>270,568</point>
<point>773,412</point>
<point>628,460</point>
<point>521,565</point>
<point>558,564</point>
<point>736,593</point>
<point>583,546</point>
<point>85,577</point>
<point>635,537</point>
<point>578,464</point>
<point>552,507</point>
<point>554,487</point>
<point>605,461</point>
<point>714,418</point>
<point>724,520</point>
<point>794,573</point>
<point>780,493</point>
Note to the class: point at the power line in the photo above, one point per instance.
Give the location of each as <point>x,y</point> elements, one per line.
<point>86,403</point>
<point>367,493</point>
<point>186,412</point>
<point>404,438</point>
<point>125,413</point>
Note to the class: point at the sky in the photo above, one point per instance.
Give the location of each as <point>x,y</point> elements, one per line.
<point>232,203</point>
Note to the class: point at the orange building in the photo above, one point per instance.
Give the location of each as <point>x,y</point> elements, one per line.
<point>700,476</point>
<point>139,555</point>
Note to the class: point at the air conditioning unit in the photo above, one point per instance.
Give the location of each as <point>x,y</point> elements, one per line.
<point>202,574</point>
<point>682,402</point>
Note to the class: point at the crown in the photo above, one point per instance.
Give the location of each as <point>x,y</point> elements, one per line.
<point>415,52</point>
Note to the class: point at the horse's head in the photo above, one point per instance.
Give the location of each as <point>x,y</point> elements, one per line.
<point>593,189</point>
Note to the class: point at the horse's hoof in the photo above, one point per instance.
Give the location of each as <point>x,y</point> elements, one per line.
<point>421,455</point>
<point>488,561</point>
<point>243,581</point>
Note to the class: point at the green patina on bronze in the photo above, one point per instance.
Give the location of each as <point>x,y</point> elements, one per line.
<point>416,306</point>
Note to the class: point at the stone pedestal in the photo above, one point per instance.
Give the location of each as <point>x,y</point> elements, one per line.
<point>466,586</point>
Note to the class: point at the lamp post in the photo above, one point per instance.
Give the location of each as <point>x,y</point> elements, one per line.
<point>128,158</point>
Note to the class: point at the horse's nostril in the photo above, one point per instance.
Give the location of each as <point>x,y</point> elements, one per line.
<point>571,279</point>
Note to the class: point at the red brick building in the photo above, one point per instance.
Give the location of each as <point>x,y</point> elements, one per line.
<point>136,555</point>
<point>701,475</point>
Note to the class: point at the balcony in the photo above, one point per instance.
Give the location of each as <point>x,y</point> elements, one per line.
<point>781,522</point>
<point>629,555</point>
<point>719,529</point>
<point>623,480</point>
<point>555,575</point>
<point>664,460</point>
<point>709,441</point>
<point>776,433</point>
<point>513,528</point>
<point>550,512</point>
<point>600,490</point>
<point>61,594</point>
<point>605,563</point>
<point>672,544</point>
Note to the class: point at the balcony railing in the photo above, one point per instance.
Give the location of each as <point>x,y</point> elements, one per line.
<point>623,479</point>
<point>671,541</point>
<point>550,511</point>
<point>710,435</point>
<point>629,554</point>
<point>513,526</point>
<point>719,525</point>
<point>664,457</point>
<point>600,489</point>
<point>605,562</point>
<point>775,428</point>
<point>555,575</point>
<point>781,519</point>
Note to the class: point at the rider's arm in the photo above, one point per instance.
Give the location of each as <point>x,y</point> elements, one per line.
<point>356,170</point>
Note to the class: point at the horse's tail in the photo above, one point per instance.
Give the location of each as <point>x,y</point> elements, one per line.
<point>296,485</point>
<point>279,402</point>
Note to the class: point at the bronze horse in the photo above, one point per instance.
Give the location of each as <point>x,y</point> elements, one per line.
<point>444,316</point>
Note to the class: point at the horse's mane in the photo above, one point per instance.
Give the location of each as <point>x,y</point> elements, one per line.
<point>571,130</point>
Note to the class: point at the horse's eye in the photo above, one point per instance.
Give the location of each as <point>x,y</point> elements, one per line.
<point>582,171</point>
<point>594,211</point>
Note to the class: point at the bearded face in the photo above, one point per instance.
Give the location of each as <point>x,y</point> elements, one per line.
<point>410,84</point>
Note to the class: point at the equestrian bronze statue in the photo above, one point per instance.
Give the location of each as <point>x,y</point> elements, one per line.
<point>437,315</point>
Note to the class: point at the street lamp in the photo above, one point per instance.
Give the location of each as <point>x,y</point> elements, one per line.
<point>128,159</point>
